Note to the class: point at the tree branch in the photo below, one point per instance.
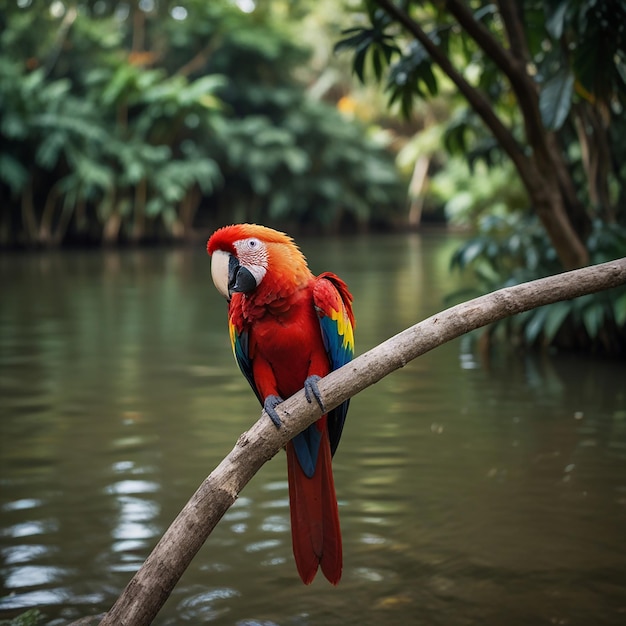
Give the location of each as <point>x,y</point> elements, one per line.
<point>509,64</point>
<point>547,154</point>
<point>543,171</point>
<point>546,144</point>
<point>511,12</point>
<point>475,98</point>
<point>152,584</point>
<point>513,67</point>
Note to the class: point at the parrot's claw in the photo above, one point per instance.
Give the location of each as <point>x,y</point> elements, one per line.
<point>311,390</point>
<point>270,404</point>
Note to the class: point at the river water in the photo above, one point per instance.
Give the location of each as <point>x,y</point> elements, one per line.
<point>485,491</point>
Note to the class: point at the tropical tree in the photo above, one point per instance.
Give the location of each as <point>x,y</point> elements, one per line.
<point>542,55</point>
<point>545,82</point>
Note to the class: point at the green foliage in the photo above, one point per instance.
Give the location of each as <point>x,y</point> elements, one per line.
<point>556,117</point>
<point>596,36</point>
<point>370,42</point>
<point>513,249</point>
<point>121,121</point>
<point>295,171</point>
<point>569,40</point>
<point>577,54</point>
<point>555,99</point>
<point>31,617</point>
<point>412,76</point>
<point>472,194</point>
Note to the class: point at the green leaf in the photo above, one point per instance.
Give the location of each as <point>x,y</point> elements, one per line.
<point>535,324</point>
<point>619,310</point>
<point>32,617</point>
<point>120,82</point>
<point>350,42</point>
<point>13,126</point>
<point>377,63</point>
<point>557,313</point>
<point>359,65</point>
<point>555,17</point>
<point>330,188</point>
<point>593,316</point>
<point>49,149</point>
<point>155,206</point>
<point>430,81</point>
<point>279,205</point>
<point>202,90</point>
<point>555,99</point>
<point>12,172</point>
<point>470,252</point>
<point>296,160</point>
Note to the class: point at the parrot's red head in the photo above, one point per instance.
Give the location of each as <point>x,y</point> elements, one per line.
<point>246,258</point>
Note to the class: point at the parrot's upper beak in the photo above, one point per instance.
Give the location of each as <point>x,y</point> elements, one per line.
<point>229,276</point>
<point>220,261</point>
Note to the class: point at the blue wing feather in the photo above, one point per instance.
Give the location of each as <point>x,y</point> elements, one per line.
<point>239,342</point>
<point>333,303</point>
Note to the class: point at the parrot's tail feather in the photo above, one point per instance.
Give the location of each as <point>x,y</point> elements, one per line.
<point>315,531</point>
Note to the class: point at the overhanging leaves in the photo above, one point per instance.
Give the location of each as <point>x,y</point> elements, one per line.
<point>555,99</point>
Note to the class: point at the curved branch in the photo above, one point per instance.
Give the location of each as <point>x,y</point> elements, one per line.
<point>527,90</point>
<point>543,171</point>
<point>509,64</point>
<point>513,67</point>
<point>152,584</point>
<point>512,16</point>
<point>547,152</point>
<point>475,98</point>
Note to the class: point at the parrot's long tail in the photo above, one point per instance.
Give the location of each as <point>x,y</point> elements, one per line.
<point>315,531</point>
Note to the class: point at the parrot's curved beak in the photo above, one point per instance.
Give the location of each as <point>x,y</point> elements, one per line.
<point>229,276</point>
<point>220,261</point>
<point>240,278</point>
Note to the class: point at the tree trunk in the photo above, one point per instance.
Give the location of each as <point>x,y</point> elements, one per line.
<point>542,170</point>
<point>416,190</point>
<point>549,205</point>
<point>139,209</point>
<point>29,220</point>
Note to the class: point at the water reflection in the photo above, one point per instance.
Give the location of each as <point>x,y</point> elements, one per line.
<point>205,606</point>
<point>470,490</point>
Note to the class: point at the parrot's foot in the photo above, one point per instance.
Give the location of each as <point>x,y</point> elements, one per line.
<point>311,390</point>
<point>270,404</point>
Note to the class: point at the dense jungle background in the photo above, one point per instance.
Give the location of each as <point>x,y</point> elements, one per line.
<point>156,121</point>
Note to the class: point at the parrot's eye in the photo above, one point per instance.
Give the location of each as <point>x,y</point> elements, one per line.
<point>253,243</point>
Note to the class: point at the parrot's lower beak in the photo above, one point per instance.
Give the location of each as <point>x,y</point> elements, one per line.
<point>240,279</point>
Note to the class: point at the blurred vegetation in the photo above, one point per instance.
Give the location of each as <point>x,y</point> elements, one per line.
<point>32,617</point>
<point>153,120</point>
<point>530,148</point>
<point>144,120</point>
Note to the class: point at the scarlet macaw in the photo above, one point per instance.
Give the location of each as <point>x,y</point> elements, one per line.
<point>288,328</point>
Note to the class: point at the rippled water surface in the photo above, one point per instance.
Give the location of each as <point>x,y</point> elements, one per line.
<point>472,491</point>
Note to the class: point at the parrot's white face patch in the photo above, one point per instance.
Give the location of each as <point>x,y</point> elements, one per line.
<point>252,254</point>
